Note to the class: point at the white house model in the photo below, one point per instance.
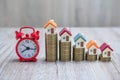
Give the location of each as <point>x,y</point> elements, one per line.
<point>92,47</point>
<point>50,27</point>
<point>65,35</point>
<point>106,50</point>
<point>79,41</point>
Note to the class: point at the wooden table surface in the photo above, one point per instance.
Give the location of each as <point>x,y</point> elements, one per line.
<point>12,69</point>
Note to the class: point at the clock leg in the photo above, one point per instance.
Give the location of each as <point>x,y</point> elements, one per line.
<point>21,60</point>
<point>34,59</point>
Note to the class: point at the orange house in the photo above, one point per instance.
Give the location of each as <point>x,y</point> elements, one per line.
<point>50,27</point>
<point>92,47</point>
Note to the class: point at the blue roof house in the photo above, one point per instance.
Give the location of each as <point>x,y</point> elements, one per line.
<point>79,41</point>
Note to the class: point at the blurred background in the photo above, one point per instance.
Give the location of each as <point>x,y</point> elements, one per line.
<point>70,13</point>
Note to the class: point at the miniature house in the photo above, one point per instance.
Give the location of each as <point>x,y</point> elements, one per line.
<point>106,50</point>
<point>92,47</point>
<point>65,35</point>
<point>50,27</point>
<point>79,40</point>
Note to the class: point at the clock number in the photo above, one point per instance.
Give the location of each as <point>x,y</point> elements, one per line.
<point>29,55</point>
<point>24,54</point>
<point>27,41</point>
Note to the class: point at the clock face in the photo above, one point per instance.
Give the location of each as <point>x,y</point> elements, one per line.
<point>27,48</point>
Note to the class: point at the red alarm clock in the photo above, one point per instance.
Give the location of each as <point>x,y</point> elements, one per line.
<point>27,47</point>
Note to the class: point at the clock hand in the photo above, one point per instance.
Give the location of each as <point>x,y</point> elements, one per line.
<point>27,48</point>
<point>24,50</point>
<point>32,48</point>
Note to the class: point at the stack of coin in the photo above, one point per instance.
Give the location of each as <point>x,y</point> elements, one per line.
<point>64,51</point>
<point>78,54</point>
<point>104,59</point>
<point>91,57</point>
<point>51,47</point>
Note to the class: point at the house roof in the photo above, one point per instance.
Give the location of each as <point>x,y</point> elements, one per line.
<point>65,30</point>
<point>79,35</point>
<point>50,22</point>
<point>90,43</point>
<point>104,46</point>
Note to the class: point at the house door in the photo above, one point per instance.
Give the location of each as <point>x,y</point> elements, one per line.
<point>81,44</point>
<point>94,51</point>
<point>52,30</point>
<point>67,38</point>
<point>108,53</point>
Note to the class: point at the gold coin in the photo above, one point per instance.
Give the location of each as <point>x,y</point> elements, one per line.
<point>78,54</point>
<point>64,51</point>
<point>51,47</point>
<point>104,59</point>
<point>91,57</point>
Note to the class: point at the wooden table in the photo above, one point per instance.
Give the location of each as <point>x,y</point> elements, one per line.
<point>12,69</point>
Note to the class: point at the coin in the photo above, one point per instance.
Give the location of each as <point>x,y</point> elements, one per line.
<point>104,59</point>
<point>51,47</point>
<point>78,54</point>
<point>91,57</point>
<point>64,51</point>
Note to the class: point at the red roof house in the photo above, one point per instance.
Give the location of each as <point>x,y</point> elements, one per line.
<point>65,35</point>
<point>106,50</point>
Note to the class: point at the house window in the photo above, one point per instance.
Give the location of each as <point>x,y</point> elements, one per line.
<point>108,53</point>
<point>82,44</point>
<point>105,53</point>
<point>91,50</point>
<point>48,30</point>
<point>94,51</point>
<point>78,43</point>
<point>63,37</point>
